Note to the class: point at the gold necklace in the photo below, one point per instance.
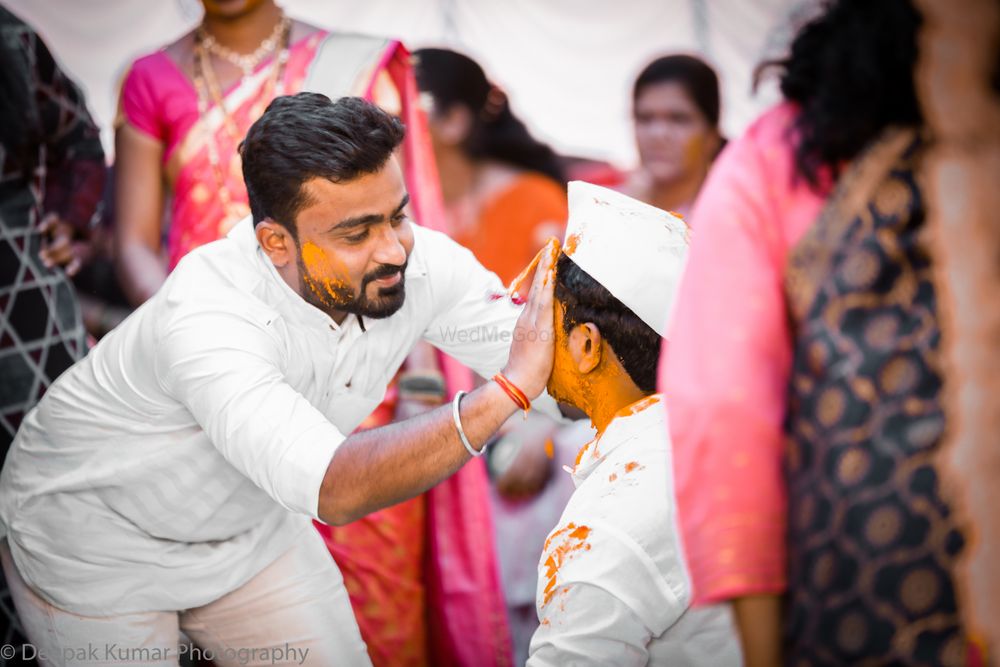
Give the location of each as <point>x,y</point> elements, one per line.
<point>208,89</point>
<point>245,61</point>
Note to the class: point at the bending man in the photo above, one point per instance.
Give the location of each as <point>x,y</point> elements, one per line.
<point>167,480</point>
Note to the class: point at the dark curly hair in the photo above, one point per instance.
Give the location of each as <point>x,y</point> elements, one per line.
<point>452,78</point>
<point>305,136</point>
<point>851,72</point>
<point>633,341</point>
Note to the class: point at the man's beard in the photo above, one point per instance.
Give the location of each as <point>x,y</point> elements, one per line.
<point>334,297</point>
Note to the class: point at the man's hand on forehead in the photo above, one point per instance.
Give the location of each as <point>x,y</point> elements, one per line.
<point>515,291</point>
<point>531,353</point>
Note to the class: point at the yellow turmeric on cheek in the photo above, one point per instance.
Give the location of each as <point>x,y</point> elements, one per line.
<point>333,290</point>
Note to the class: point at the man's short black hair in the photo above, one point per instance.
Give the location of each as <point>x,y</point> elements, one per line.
<point>634,342</point>
<point>305,136</point>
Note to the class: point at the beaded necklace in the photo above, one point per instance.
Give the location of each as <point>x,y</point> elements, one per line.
<point>246,61</point>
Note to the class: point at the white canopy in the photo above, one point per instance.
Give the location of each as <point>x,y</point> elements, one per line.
<point>567,65</point>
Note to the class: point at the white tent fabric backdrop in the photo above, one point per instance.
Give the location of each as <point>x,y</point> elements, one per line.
<point>566,65</point>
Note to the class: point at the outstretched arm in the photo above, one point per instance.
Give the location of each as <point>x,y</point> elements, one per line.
<point>226,370</point>
<point>383,466</point>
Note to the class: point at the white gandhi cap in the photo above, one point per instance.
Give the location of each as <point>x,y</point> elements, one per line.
<point>636,251</point>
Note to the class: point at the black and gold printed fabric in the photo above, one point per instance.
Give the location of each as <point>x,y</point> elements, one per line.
<point>51,161</point>
<point>871,541</point>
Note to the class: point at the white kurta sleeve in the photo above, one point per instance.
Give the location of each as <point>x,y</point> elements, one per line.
<point>469,322</point>
<point>591,627</point>
<point>226,370</point>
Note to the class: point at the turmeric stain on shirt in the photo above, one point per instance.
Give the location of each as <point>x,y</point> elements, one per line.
<point>572,242</point>
<point>559,548</point>
<point>638,406</point>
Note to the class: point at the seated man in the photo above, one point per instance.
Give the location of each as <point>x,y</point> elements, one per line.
<point>613,587</point>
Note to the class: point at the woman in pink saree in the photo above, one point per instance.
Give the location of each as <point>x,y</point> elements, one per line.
<point>179,127</point>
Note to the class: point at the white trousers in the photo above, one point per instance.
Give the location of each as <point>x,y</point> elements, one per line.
<point>294,612</point>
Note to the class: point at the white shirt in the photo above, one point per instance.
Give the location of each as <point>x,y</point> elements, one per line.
<point>186,451</point>
<point>613,588</point>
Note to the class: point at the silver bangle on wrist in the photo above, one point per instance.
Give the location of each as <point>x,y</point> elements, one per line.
<point>458,425</point>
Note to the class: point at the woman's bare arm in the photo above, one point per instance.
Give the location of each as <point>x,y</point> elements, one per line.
<point>139,197</point>
<point>758,619</point>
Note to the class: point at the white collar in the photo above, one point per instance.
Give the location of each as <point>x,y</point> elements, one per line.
<point>627,424</point>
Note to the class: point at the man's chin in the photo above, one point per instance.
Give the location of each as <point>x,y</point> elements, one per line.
<point>386,306</point>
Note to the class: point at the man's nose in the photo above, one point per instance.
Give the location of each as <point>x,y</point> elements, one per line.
<point>390,248</point>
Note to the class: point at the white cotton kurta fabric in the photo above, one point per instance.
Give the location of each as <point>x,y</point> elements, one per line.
<point>613,588</point>
<point>186,451</point>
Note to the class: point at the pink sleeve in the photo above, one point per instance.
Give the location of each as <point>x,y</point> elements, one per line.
<point>727,370</point>
<point>140,105</point>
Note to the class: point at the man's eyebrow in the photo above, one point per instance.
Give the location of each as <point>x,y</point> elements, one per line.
<point>371,219</point>
<point>402,204</point>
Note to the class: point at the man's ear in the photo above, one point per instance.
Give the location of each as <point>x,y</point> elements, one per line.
<point>276,241</point>
<point>585,347</point>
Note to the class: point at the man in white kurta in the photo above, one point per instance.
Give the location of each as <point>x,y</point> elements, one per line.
<point>168,480</point>
<point>187,450</point>
<point>613,586</point>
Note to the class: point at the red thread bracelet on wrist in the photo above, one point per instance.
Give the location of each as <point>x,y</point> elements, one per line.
<point>519,396</point>
<point>513,392</point>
